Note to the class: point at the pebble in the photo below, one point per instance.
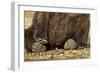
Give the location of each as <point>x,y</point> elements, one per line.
<point>32,53</point>
<point>41,53</point>
<point>29,54</point>
<point>61,55</point>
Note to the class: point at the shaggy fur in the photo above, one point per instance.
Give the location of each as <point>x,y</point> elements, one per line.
<point>57,28</point>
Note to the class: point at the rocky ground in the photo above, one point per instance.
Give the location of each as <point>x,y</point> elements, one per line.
<point>58,54</point>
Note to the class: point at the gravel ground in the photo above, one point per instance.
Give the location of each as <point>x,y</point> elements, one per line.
<point>58,54</point>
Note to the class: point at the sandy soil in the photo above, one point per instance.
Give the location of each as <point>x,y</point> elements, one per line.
<point>58,54</point>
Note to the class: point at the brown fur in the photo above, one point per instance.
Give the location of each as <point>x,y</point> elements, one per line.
<point>57,28</point>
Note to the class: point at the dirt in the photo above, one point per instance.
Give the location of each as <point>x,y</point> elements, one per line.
<point>58,54</point>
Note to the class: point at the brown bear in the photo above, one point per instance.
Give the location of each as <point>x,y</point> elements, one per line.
<point>57,28</point>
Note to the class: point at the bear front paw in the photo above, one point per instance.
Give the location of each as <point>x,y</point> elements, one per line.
<point>39,45</point>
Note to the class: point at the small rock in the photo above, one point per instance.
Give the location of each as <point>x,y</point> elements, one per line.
<point>29,54</point>
<point>32,53</point>
<point>61,54</point>
<point>41,53</point>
